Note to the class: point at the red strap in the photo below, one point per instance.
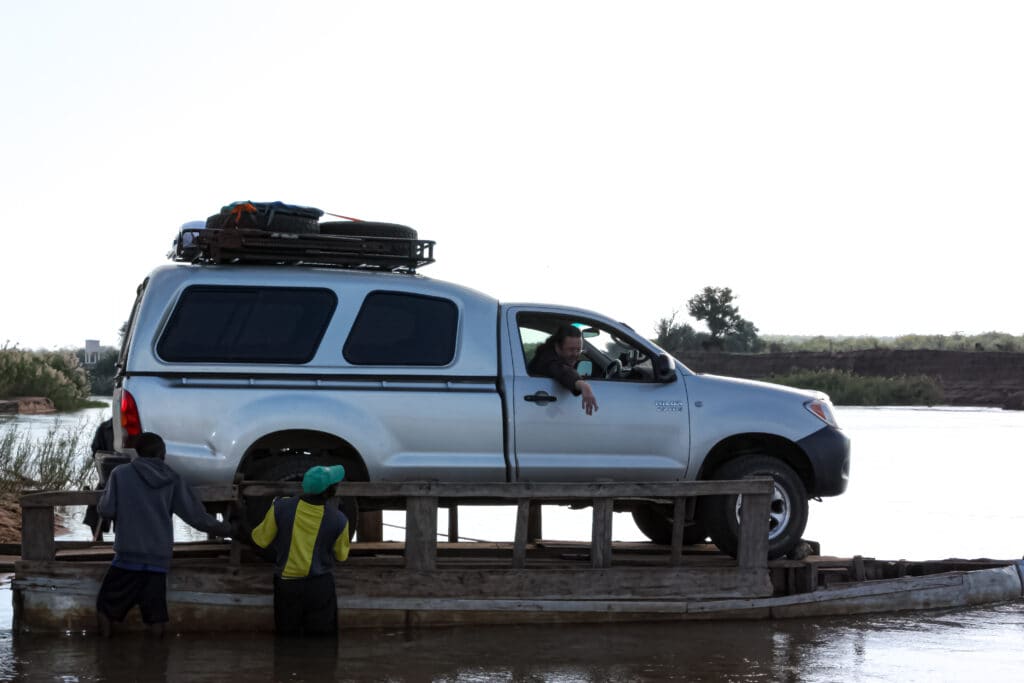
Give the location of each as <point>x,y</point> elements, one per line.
<point>348,218</point>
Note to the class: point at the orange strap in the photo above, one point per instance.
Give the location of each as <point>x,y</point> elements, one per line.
<point>238,210</point>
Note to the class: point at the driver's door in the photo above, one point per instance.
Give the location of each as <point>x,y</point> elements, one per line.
<point>640,431</point>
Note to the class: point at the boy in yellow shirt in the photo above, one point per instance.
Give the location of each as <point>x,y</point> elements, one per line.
<point>307,536</point>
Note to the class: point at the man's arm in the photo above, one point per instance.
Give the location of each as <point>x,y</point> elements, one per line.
<point>589,400</point>
<point>341,546</point>
<point>547,364</point>
<point>107,505</point>
<point>263,535</point>
<point>186,504</point>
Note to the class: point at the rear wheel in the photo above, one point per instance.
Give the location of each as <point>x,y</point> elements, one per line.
<point>787,513</point>
<point>655,522</point>
<point>292,468</point>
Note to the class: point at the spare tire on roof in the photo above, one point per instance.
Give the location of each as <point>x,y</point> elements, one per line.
<point>272,216</point>
<point>367,229</point>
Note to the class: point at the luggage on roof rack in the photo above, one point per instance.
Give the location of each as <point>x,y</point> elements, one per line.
<point>232,237</point>
<point>276,216</point>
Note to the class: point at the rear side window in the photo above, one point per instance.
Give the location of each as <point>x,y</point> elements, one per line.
<point>394,328</point>
<point>247,325</point>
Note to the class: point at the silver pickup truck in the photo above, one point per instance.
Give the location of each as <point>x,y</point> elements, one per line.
<point>256,369</point>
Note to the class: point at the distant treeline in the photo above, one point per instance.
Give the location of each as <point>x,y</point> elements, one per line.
<point>989,341</point>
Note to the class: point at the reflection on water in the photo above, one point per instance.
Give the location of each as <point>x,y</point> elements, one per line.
<point>924,484</point>
<point>85,420</point>
<point>927,484</point>
<point>935,646</point>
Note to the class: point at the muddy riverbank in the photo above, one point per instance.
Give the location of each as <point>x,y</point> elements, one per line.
<point>10,519</point>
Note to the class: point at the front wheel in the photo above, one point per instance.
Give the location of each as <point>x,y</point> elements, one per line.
<point>787,512</point>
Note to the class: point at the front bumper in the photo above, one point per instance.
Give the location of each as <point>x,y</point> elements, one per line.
<point>828,449</point>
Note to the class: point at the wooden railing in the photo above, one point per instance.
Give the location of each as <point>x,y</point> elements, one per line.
<point>423,499</point>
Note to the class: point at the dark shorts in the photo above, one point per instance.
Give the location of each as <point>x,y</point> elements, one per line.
<point>122,589</point>
<point>306,606</point>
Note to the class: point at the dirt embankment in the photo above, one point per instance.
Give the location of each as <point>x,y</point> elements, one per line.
<point>26,405</point>
<point>968,378</point>
<point>10,519</point>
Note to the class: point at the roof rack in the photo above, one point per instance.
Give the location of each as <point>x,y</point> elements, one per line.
<point>251,245</point>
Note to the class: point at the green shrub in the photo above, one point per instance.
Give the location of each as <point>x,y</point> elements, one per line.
<point>56,375</point>
<point>61,459</point>
<point>845,388</point>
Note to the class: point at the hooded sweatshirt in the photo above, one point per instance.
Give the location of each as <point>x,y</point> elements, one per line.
<point>142,496</point>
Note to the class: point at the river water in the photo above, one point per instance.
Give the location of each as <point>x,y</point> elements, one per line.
<point>925,484</point>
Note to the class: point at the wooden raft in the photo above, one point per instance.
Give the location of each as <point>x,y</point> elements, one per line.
<point>217,585</point>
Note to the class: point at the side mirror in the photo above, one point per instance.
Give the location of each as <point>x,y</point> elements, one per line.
<point>585,368</point>
<point>664,368</point>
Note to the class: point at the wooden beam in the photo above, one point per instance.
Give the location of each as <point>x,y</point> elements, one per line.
<point>678,528</point>
<point>37,533</point>
<point>421,533</point>
<point>601,534</point>
<point>207,494</point>
<point>858,568</point>
<point>535,530</point>
<point>370,528</point>
<point>512,492</point>
<point>453,523</point>
<point>496,491</point>
<point>581,581</point>
<point>523,517</point>
<point>753,531</point>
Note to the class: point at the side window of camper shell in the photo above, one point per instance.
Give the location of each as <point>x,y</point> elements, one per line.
<point>217,324</point>
<point>397,328</point>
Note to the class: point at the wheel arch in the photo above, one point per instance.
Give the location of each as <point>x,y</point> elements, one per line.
<point>271,449</point>
<point>738,445</point>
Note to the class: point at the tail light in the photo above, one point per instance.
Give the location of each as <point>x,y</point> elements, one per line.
<point>131,424</point>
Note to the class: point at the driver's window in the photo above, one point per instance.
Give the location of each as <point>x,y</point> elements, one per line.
<point>535,331</point>
<point>615,357</point>
<point>606,354</point>
<point>531,339</point>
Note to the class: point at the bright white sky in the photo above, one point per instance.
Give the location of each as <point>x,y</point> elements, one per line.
<point>846,168</point>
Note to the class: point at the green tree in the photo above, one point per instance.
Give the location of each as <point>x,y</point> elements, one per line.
<point>675,337</point>
<point>729,330</point>
<point>714,307</point>
<point>744,339</point>
<point>101,375</point>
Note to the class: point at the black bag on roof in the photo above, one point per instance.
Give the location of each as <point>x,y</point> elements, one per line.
<point>272,216</point>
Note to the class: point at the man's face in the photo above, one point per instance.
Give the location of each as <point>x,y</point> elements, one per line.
<point>570,349</point>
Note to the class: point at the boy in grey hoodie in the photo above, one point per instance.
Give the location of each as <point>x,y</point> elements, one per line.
<point>142,496</point>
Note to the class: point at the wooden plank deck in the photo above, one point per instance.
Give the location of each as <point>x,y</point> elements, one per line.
<point>219,585</point>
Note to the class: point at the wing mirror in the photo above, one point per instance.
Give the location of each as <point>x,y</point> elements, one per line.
<point>585,368</point>
<point>664,368</point>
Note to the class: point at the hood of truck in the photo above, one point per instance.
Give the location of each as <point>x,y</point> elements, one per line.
<point>755,386</point>
<point>727,405</point>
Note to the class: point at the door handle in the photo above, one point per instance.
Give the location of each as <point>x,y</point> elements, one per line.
<point>541,398</point>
